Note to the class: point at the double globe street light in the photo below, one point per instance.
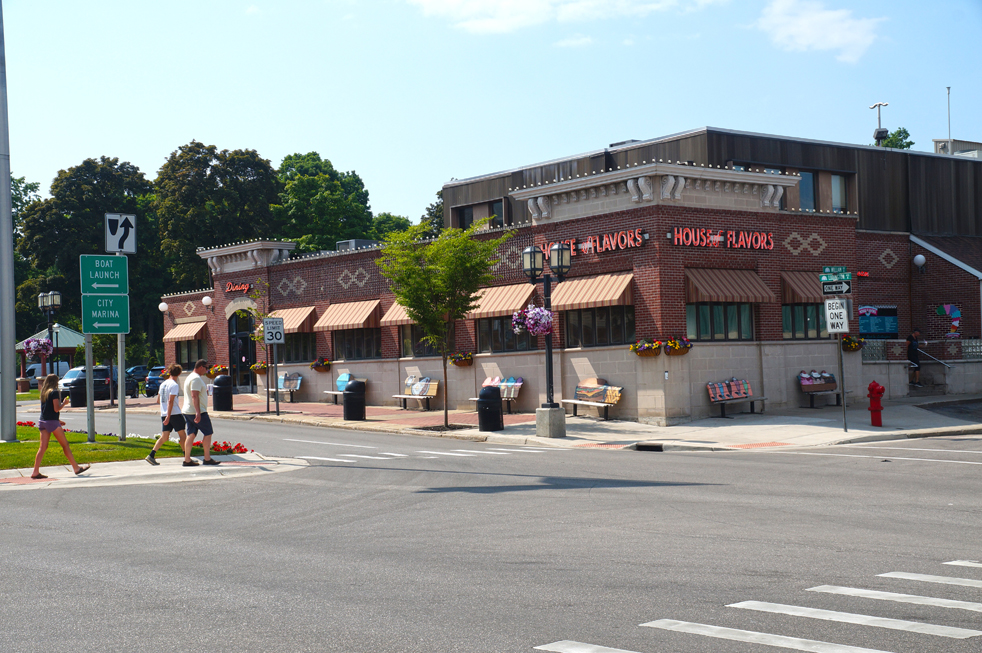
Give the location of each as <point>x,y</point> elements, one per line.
<point>550,419</point>
<point>49,303</point>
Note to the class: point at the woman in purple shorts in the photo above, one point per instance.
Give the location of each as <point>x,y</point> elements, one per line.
<point>50,424</point>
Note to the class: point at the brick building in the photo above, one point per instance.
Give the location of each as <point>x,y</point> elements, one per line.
<point>715,235</point>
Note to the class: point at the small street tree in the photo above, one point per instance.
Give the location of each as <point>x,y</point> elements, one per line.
<point>437,281</point>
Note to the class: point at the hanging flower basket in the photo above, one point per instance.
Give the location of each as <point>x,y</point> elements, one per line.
<point>322,364</point>
<point>259,368</point>
<point>217,370</point>
<point>678,346</point>
<point>534,320</point>
<point>462,359</point>
<point>852,344</point>
<point>646,347</point>
<point>35,347</point>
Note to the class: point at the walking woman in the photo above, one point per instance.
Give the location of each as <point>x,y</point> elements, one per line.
<point>50,424</point>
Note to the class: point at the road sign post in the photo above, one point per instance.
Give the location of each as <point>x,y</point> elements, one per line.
<point>837,321</point>
<point>274,334</point>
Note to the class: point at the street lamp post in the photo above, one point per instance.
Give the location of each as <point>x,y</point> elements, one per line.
<point>550,419</point>
<point>49,303</point>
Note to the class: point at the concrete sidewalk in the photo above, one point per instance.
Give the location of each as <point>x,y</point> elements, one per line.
<point>801,427</point>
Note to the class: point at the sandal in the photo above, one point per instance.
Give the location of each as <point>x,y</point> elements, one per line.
<point>38,476</point>
<point>82,470</point>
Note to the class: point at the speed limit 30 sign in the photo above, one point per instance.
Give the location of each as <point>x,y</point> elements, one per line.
<point>273,333</point>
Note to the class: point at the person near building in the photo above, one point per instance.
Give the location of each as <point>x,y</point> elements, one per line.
<point>171,420</point>
<point>913,358</point>
<point>51,424</point>
<point>195,410</point>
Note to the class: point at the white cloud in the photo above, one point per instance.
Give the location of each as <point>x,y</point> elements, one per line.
<point>496,16</point>
<point>803,25</point>
<point>575,41</point>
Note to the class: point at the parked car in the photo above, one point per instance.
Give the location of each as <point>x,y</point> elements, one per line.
<point>100,376</point>
<point>138,372</point>
<point>153,381</point>
<point>34,370</point>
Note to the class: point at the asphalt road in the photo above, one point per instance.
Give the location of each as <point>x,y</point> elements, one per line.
<point>402,543</point>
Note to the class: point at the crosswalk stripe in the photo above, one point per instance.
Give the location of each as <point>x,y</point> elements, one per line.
<point>335,444</point>
<point>519,450</point>
<point>944,580</point>
<point>445,453</point>
<point>333,460</point>
<point>397,455</point>
<point>567,646</point>
<point>859,619</point>
<point>356,455</point>
<point>964,563</point>
<point>490,453</point>
<point>898,598</point>
<point>766,639</point>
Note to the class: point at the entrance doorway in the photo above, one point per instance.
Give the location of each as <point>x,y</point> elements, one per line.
<point>241,352</point>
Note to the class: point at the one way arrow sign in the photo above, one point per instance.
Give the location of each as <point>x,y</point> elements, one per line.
<point>837,288</point>
<point>121,233</point>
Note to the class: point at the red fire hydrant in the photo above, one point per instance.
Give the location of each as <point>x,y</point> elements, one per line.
<point>875,407</point>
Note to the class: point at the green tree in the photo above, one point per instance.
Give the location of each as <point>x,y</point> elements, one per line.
<point>433,218</point>
<point>205,198</point>
<point>316,212</point>
<point>385,223</point>
<point>899,139</point>
<point>22,193</point>
<point>311,164</point>
<point>437,281</point>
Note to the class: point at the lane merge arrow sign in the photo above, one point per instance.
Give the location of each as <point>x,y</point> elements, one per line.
<point>121,233</point>
<point>103,274</point>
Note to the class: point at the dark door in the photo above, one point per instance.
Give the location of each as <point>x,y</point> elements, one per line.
<point>242,351</point>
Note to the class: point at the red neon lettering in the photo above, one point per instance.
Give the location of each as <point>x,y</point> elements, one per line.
<point>637,237</point>
<point>630,239</point>
<point>755,238</point>
<point>770,241</point>
<point>622,239</point>
<point>730,238</point>
<point>678,236</point>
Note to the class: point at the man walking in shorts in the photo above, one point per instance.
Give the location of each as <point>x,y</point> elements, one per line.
<point>171,420</point>
<point>195,410</point>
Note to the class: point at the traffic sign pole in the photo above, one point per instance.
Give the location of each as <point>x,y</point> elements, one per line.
<point>121,358</point>
<point>842,381</point>
<point>273,334</point>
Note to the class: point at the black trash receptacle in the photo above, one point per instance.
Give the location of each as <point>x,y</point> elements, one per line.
<point>490,416</point>
<point>354,400</point>
<point>76,394</point>
<point>221,394</point>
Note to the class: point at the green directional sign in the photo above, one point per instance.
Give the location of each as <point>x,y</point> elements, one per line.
<point>105,313</point>
<point>834,269</point>
<point>843,276</point>
<point>104,275</point>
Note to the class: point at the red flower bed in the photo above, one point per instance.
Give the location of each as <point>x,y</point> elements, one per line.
<point>26,424</point>
<point>225,447</point>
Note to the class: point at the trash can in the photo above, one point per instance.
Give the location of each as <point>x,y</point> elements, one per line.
<point>354,400</point>
<point>490,416</point>
<point>23,385</point>
<point>221,394</point>
<point>76,393</point>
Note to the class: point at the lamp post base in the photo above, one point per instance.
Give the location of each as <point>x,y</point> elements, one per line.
<point>550,423</point>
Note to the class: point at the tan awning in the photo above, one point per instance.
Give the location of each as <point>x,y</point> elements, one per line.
<point>189,331</point>
<point>351,315</point>
<point>591,292</point>
<point>500,301</point>
<point>801,288</point>
<point>296,320</point>
<point>396,316</point>
<point>708,285</point>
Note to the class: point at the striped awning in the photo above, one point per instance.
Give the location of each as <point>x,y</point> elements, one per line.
<point>396,316</point>
<point>350,315</point>
<point>296,320</point>
<point>188,331</point>
<point>710,285</point>
<point>591,292</point>
<point>801,288</point>
<point>500,301</point>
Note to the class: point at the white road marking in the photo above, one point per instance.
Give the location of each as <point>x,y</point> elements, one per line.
<point>846,455</point>
<point>766,639</point>
<point>397,455</point>
<point>336,444</point>
<point>964,563</point>
<point>333,460</point>
<point>445,453</point>
<point>567,646</point>
<point>860,619</point>
<point>519,450</point>
<point>357,455</point>
<point>866,446</point>
<point>490,453</point>
<point>898,598</point>
<point>944,580</point>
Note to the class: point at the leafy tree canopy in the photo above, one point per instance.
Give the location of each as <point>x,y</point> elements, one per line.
<point>386,223</point>
<point>22,193</point>
<point>316,212</point>
<point>899,139</point>
<point>433,217</point>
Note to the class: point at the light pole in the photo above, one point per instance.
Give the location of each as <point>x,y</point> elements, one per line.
<point>550,419</point>
<point>49,303</point>
<point>879,134</point>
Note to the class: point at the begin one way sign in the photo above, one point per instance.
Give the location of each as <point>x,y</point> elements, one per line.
<point>836,316</point>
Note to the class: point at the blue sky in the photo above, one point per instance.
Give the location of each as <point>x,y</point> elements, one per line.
<point>410,93</point>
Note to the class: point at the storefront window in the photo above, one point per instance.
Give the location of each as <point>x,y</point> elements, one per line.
<point>598,327</point>
<point>806,190</point>
<point>189,352</point>
<point>803,321</point>
<point>839,199</point>
<point>356,344</point>
<point>497,213</point>
<point>297,348</point>
<point>715,321</point>
<point>495,334</point>
<point>466,216</point>
<point>413,345</point>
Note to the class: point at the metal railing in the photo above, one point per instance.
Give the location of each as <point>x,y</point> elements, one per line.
<point>933,358</point>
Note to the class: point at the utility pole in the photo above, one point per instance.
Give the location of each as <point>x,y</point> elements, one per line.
<point>880,134</point>
<point>949,116</point>
<point>8,357</point>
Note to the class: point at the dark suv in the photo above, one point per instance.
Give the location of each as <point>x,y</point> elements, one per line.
<point>153,381</point>
<point>100,377</point>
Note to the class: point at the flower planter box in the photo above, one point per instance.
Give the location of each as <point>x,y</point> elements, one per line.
<point>648,353</point>
<point>321,368</point>
<point>464,363</point>
<point>677,352</point>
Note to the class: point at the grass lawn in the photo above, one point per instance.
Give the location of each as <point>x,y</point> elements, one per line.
<point>30,395</point>
<point>104,449</point>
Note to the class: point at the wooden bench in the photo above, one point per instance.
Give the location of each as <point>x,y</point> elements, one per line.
<point>732,392</point>
<point>595,393</point>
<point>421,390</point>
<point>341,383</point>
<point>287,382</point>
<point>509,388</point>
